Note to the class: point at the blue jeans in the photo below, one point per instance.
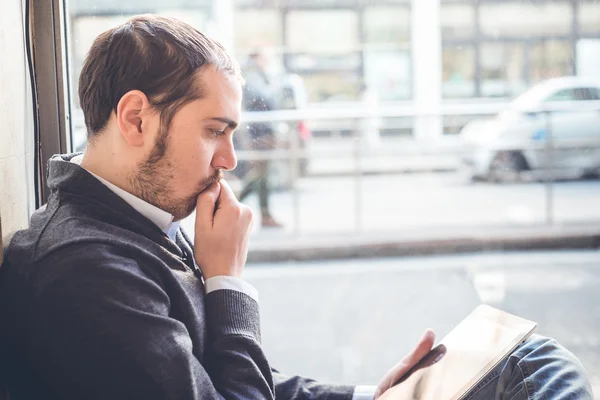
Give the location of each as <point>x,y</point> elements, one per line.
<point>540,369</point>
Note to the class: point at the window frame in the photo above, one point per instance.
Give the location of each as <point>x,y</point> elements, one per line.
<point>50,42</point>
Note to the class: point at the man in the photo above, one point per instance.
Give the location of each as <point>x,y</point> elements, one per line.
<point>258,96</point>
<point>104,297</point>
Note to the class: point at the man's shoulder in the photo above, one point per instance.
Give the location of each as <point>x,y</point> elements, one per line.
<point>62,228</point>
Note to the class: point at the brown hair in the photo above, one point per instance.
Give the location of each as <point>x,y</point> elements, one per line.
<point>156,55</point>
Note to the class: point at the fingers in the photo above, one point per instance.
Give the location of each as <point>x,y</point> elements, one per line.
<point>206,203</point>
<point>226,196</point>
<point>424,345</point>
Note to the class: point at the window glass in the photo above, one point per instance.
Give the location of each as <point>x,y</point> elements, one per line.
<point>564,95</point>
<point>366,159</point>
<point>589,17</point>
<point>587,94</point>
<point>458,71</point>
<point>550,59</point>
<point>388,73</point>
<point>332,86</point>
<point>457,20</point>
<point>594,93</point>
<point>386,25</point>
<point>502,69</point>
<point>256,28</point>
<point>525,19</point>
<point>328,30</point>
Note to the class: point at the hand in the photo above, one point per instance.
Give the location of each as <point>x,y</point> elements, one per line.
<point>221,233</point>
<point>420,351</point>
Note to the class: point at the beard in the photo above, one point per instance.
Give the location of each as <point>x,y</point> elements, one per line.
<point>153,181</point>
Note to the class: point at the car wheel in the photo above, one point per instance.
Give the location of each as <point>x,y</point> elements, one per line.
<point>507,166</point>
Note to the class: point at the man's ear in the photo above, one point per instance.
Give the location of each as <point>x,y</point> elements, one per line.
<point>132,117</point>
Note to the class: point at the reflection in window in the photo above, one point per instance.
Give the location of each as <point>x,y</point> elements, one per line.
<point>550,59</point>
<point>524,19</point>
<point>502,69</point>
<point>457,20</point>
<point>318,31</point>
<point>589,17</point>
<point>458,73</point>
<point>386,25</point>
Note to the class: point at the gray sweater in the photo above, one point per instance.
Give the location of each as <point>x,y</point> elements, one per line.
<point>96,302</point>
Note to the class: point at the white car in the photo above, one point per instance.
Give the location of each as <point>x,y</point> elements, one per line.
<point>515,143</point>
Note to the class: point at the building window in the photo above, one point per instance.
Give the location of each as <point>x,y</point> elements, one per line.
<point>388,73</point>
<point>386,25</point>
<point>458,71</point>
<point>502,69</point>
<point>550,59</point>
<point>323,31</point>
<point>257,28</point>
<point>589,18</point>
<point>524,19</point>
<point>457,21</point>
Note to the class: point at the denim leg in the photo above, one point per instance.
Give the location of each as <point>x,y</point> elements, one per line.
<point>540,369</point>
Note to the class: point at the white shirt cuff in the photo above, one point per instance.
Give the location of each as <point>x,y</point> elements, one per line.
<point>231,283</point>
<point>362,392</point>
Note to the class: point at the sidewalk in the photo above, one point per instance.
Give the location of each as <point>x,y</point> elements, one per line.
<point>272,247</point>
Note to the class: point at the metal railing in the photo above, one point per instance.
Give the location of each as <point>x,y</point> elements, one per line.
<point>294,153</point>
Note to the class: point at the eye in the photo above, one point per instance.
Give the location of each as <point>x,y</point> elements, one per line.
<point>217,133</point>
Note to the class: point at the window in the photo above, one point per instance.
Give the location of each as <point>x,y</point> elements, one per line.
<point>502,67</point>
<point>388,73</point>
<point>550,59</point>
<point>458,71</point>
<point>564,95</point>
<point>576,94</point>
<point>457,20</point>
<point>323,31</point>
<point>257,28</point>
<point>589,17</point>
<point>365,163</point>
<point>386,25</point>
<point>524,19</point>
<point>592,93</point>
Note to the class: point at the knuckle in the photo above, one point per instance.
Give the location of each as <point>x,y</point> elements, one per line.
<point>248,214</point>
<point>237,211</point>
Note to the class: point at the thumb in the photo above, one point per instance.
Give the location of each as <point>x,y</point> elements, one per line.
<point>206,203</point>
<point>422,348</point>
<point>399,370</point>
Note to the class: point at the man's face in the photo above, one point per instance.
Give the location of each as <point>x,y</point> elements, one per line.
<point>196,148</point>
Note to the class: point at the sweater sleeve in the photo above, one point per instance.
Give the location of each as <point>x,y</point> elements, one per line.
<point>298,388</point>
<point>102,329</point>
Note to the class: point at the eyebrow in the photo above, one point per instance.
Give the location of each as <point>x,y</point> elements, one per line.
<point>230,123</point>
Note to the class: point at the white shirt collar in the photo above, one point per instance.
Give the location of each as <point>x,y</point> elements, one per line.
<point>161,218</point>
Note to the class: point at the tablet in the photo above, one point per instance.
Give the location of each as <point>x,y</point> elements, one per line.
<point>469,352</point>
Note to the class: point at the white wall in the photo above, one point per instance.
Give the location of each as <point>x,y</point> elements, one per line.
<point>16,137</point>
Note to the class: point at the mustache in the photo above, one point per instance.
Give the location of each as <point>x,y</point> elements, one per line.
<point>215,178</point>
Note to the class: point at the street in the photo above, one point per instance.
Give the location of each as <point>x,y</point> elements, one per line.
<point>348,321</point>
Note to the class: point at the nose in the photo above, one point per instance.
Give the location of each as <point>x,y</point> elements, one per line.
<point>225,158</point>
